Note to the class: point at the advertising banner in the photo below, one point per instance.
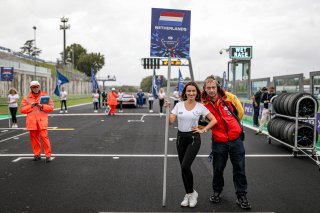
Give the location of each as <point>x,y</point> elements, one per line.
<point>6,73</point>
<point>248,109</point>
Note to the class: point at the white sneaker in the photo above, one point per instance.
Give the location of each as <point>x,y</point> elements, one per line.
<point>95,111</point>
<point>193,199</point>
<point>66,111</point>
<point>61,111</point>
<point>120,110</point>
<point>151,111</point>
<point>185,201</point>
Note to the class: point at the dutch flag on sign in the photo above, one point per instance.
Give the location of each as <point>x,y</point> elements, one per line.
<point>171,19</point>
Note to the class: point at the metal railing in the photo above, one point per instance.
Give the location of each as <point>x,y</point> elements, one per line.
<point>23,66</point>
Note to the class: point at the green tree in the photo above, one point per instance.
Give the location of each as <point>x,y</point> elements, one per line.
<point>92,60</point>
<point>29,49</point>
<point>73,53</point>
<point>146,83</point>
<point>127,89</point>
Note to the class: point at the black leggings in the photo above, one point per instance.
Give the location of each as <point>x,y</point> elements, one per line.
<point>161,102</point>
<point>13,111</point>
<point>64,102</point>
<point>150,105</point>
<point>95,105</point>
<point>188,145</point>
<point>120,105</point>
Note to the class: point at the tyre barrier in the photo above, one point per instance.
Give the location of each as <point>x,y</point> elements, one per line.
<point>286,104</point>
<point>284,130</point>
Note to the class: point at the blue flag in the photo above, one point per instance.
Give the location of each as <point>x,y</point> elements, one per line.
<point>154,85</point>
<point>180,83</point>
<point>94,81</point>
<point>224,81</point>
<point>61,79</point>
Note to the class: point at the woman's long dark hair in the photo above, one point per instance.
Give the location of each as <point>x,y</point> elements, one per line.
<point>183,94</point>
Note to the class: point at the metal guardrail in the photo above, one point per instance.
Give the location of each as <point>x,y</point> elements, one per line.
<point>23,66</point>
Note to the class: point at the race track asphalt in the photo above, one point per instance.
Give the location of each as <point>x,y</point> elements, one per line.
<point>115,164</point>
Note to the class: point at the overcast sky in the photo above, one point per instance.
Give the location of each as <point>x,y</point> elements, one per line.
<point>285,34</point>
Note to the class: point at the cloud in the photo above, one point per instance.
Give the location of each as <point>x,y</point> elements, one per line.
<point>284,34</point>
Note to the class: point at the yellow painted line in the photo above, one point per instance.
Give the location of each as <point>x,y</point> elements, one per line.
<point>62,129</point>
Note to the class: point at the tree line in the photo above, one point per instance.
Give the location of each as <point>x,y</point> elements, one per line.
<point>75,54</point>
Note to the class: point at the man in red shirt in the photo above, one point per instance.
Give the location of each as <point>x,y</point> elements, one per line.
<point>226,140</point>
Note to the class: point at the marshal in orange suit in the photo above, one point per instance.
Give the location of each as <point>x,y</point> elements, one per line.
<point>37,120</point>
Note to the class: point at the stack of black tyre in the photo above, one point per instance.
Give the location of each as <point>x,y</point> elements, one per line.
<point>284,128</point>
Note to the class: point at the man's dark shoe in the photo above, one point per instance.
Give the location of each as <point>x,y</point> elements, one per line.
<point>242,201</point>
<point>49,159</point>
<point>36,158</point>
<point>215,197</point>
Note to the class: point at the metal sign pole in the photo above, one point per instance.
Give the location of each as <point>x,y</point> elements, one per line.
<point>166,138</point>
<point>9,114</point>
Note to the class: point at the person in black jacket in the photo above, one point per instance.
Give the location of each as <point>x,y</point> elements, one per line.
<point>104,97</point>
<point>256,98</point>
<point>265,99</point>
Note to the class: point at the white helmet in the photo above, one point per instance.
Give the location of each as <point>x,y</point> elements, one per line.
<point>34,83</point>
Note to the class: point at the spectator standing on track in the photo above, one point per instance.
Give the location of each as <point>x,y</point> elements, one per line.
<point>256,98</point>
<point>265,99</point>
<point>227,139</point>
<point>140,96</point>
<point>112,101</point>
<point>63,100</point>
<point>104,96</point>
<point>161,97</point>
<point>95,100</point>
<point>37,120</point>
<point>13,98</point>
<point>150,100</point>
<point>188,112</point>
<point>120,98</point>
<point>99,99</point>
<point>176,96</point>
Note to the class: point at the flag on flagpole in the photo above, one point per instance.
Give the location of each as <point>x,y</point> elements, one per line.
<point>154,85</point>
<point>224,81</point>
<point>94,81</point>
<point>180,82</point>
<point>61,79</point>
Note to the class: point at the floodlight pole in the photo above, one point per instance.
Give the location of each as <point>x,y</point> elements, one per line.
<point>190,69</point>
<point>35,50</point>
<point>64,27</point>
<point>166,138</point>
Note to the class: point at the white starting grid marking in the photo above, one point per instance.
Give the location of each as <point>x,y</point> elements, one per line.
<point>21,158</point>
<point>95,114</point>
<point>178,212</point>
<point>117,156</point>
<point>118,114</point>
<point>141,120</point>
<point>14,137</point>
